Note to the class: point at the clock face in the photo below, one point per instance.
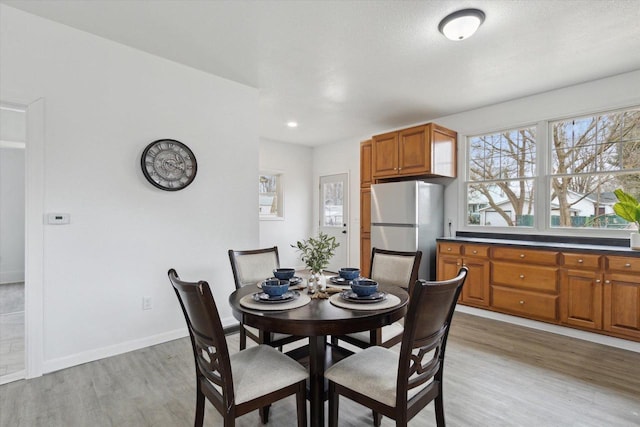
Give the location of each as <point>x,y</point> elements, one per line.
<point>169,164</point>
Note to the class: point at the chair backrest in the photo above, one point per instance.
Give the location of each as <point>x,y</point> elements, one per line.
<point>207,335</point>
<point>251,266</point>
<point>426,329</point>
<point>395,267</point>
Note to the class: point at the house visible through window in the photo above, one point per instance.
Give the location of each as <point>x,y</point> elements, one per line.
<point>270,196</point>
<point>586,159</point>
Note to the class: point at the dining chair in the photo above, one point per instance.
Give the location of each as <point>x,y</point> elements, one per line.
<point>390,268</point>
<point>238,383</point>
<point>399,385</point>
<point>250,267</point>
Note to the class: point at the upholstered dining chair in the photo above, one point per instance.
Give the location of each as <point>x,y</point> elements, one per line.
<point>391,268</point>
<point>399,385</point>
<point>250,267</point>
<point>238,383</point>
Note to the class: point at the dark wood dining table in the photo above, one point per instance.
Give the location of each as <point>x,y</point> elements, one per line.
<point>316,320</point>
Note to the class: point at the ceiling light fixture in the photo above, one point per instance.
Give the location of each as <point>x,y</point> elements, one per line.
<point>461,24</point>
<point>292,124</point>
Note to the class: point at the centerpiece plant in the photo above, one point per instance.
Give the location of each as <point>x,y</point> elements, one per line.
<point>628,208</point>
<point>316,252</point>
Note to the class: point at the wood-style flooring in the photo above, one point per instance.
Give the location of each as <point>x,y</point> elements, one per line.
<point>11,329</point>
<point>496,374</point>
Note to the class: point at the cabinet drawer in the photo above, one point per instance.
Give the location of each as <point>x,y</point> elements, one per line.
<point>532,304</point>
<point>624,264</point>
<point>582,261</point>
<point>450,248</point>
<point>476,250</point>
<point>526,255</point>
<point>524,276</point>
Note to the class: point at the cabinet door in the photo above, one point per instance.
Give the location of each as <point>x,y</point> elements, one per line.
<point>476,286</point>
<point>448,267</point>
<point>366,178</point>
<point>385,155</point>
<point>414,155</point>
<point>581,298</point>
<point>443,151</point>
<point>622,304</point>
<point>365,255</point>
<point>365,210</point>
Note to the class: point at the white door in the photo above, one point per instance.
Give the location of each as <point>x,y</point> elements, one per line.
<point>334,215</point>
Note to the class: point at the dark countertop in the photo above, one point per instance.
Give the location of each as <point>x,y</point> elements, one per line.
<point>571,246</point>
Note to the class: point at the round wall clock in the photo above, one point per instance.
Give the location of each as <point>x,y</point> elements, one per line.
<point>168,164</point>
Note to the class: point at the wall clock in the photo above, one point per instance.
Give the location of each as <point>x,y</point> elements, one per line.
<point>168,164</point>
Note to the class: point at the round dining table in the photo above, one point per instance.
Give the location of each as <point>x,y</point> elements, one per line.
<point>316,320</point>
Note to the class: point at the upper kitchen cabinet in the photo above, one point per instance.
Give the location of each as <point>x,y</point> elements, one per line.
<point>426,150</point>
<point>366,178</point>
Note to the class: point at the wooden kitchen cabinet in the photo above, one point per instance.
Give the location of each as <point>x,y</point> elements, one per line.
<point>622,296</point>
<point>581,291</point>
<point>418,151</point>
<point>476,286</point>
<point>365,230</point>
<point>366,177</point>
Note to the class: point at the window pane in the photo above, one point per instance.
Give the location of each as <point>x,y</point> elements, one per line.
<point>586,201</point>
<point>603,143</point>
<point>505,155</point>
<point>501,204</point>
<point>269,196</point>
<point>333,202</point>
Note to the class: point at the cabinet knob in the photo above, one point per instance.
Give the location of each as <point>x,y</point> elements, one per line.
<point>399,169</point>
<point>521,302</point>
<point>475,252</point>
<point>597,280</point>
<point>458,264</point>
<point>580,261</point>
<point>449,249</point>
<point>521,255</point>
<point>395,169</point>
<point>627,265</point>
<point>522,276</point>
<point>607,281</point>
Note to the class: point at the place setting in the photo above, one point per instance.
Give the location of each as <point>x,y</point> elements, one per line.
<point>363,294</point>
<point>277,293</point>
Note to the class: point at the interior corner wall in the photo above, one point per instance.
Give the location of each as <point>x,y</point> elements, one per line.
<point>294,162</point>
<point>104,103</point>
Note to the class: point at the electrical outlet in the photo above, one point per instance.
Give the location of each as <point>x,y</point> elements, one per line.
<point>146,303</point>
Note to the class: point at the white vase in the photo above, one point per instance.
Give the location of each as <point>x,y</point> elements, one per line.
<point>635,241</point>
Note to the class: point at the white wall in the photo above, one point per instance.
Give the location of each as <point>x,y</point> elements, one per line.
<point>294,162</point>
<point>336,158</point>
<point>104,103</point>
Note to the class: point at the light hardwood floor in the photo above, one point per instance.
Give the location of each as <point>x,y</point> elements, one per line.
<point>496,374</point>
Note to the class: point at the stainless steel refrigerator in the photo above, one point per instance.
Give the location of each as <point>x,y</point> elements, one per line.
<point>408,216</point>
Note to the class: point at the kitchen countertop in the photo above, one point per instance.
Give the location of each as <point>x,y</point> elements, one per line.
<point>571,246</point>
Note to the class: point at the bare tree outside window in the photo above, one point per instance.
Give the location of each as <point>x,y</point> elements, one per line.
<point>591,157</point>
<point>270,196</point>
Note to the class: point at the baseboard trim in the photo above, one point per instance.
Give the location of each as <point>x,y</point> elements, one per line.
<point>556,329</point>
<point>113,350</point>
<point>14,376</point>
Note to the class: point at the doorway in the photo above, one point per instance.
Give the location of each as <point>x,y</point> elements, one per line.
<point>334,216</point>
<point>12,245</point>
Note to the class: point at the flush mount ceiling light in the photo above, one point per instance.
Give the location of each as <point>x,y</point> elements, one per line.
<point>461,24</point>
<point>292,124</point>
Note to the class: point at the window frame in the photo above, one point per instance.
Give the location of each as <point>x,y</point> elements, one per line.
<point>279,216</point>
<point>542,181</point>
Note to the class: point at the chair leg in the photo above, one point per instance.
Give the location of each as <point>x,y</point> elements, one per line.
<point>264,414</point>
<point>439,407</point>
<point>334,340</point>
<point>333,405</point>
<point>301,404</point>
<point>243,338</point>
<point>199,407</point>
<point>377,419</point>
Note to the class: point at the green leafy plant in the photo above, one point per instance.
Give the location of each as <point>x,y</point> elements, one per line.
<point>627,207</point>
<point>316,252</point>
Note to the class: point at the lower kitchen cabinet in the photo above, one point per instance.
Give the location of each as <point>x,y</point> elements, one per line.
<point>581,298</point>
<point>622,304</point>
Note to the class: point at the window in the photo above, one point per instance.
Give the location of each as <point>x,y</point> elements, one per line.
<point>270,196</point>
<point>501,186</point>
<point>591,157</point>
<point>570,179</point>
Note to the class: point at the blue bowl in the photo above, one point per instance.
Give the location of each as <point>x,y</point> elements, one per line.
<point>275,287</point>
<point>349,273</point>
<point>284,273</point>
<point>364,287</point>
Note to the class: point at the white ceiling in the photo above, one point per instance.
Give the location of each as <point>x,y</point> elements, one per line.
<point>348,69</point>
